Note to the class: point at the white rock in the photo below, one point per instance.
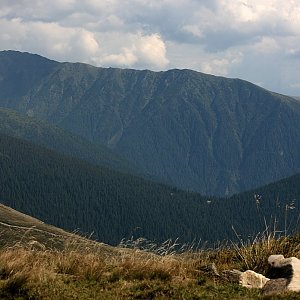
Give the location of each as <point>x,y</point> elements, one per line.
<point>288,268</point>
<point>251,279</point>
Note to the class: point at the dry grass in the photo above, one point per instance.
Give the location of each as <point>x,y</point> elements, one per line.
<point>31,273</point>
<point>87,270</point>
<point>48,263</point>
<point>253,254</point>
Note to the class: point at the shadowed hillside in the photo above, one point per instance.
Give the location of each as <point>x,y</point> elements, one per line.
<point>52,137</point>
<point>75,195</point>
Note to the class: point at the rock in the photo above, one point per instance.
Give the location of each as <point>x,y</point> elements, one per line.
<point>251,279</point>
<point>288,268</point>
<point>274,260</point>
<point>275,286</point>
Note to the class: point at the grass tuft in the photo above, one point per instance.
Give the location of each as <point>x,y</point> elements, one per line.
<point>253,255</point>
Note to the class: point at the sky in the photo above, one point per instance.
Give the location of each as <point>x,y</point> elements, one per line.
<point>255,40</point>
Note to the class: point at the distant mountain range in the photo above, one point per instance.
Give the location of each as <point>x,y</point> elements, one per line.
<point>209,134</point>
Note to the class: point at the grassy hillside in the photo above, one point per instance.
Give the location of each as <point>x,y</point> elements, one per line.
<point>16,227</point>
<point>20,230</point>
<point>156,272</point>
<point>209,134</point>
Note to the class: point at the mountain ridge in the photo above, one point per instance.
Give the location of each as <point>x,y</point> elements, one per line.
<point>199,132</point>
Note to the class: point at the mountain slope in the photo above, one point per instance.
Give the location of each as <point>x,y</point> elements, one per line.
<point>54,138</point>
<point>72,195</point>
<point>19,73</point>
<point>199,132</point>
<point>18,228</point>
<point>26,232</point>
<point>277,203</point>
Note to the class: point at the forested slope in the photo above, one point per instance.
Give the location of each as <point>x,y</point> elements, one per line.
<point>72,194</point>
<point>52,137</point>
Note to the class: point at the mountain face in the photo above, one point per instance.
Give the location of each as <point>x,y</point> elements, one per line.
<point>198,132</point>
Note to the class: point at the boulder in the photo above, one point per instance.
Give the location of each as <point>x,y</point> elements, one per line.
<point>251,279</point>
<point>287,268</point>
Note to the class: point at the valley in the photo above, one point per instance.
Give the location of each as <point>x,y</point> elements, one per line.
<point>160,155</point>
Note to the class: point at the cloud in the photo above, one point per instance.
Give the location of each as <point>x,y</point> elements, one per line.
<point>126,58</point>
<point>221,65</point>
<point>49,39</point>
<point>232,23</point>
<point>86,43</point>
<point>293,52</point>
<point>194,30</point>
<point>241,38</point>
<point>266,45</point>
<point>152,50</point>
<point>295,85</point>
<point>78,44</point>
<point>143,51</point>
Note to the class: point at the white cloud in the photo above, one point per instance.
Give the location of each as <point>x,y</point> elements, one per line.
<point>86,43</point>
<point>244,38</point>
<point>142,50</point>
<point>248,11</point>
<point>266,45</point>
<point>12,34</point>
<point>221,65</point>
<point>126,58</point>
<point>216,66</point>
<point>48,39</point>
<point>152,50</point>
